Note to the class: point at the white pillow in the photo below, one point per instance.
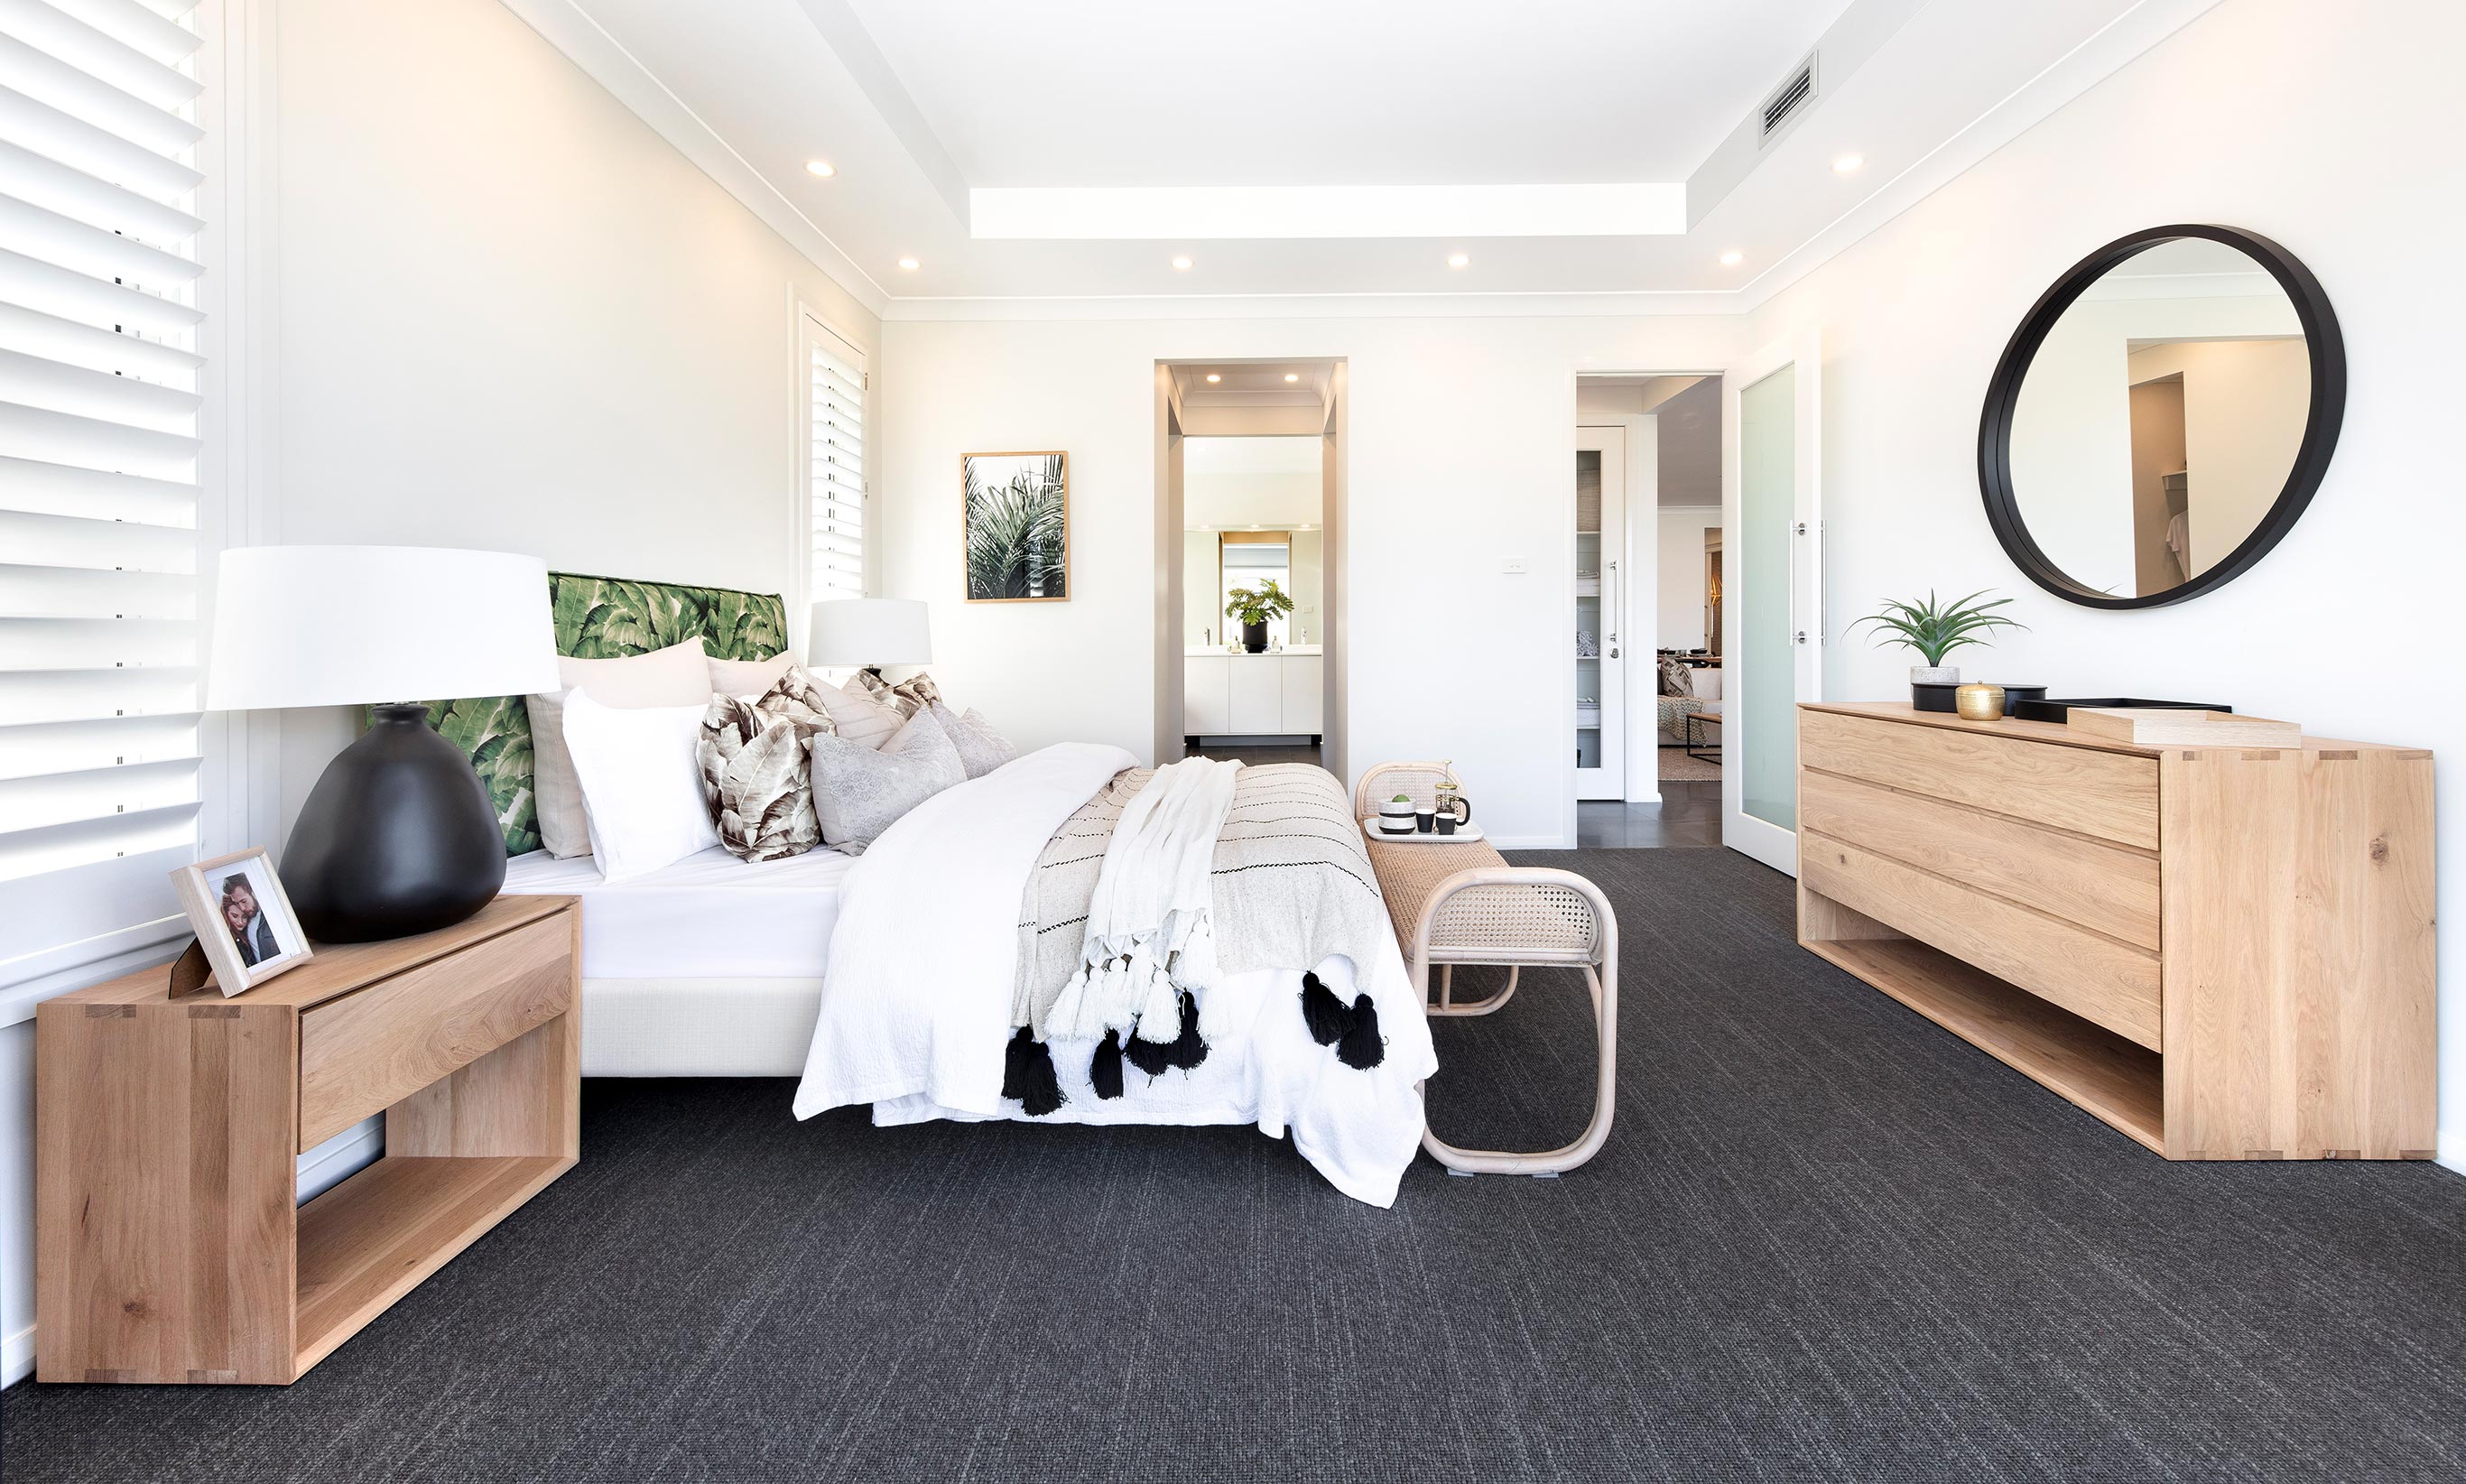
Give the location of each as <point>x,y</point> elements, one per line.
<point>679,675</point>
<point>858,791</point>
<point>641,785</point>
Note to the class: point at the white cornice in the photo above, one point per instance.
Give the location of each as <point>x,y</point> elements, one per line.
<point>588,45</point>
<point>1320,307</point>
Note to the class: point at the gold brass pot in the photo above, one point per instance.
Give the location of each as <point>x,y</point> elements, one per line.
<point>1978,702</point>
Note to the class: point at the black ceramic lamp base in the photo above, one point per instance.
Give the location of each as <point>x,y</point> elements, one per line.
<point>399,837</point>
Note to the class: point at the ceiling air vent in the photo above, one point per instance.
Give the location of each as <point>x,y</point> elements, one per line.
<point>1785,103</point>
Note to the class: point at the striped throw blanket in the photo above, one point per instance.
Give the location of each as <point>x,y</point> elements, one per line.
<point>1293,888</point>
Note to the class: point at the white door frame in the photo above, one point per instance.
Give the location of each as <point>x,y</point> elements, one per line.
<point>1761,839</point>
<point>1609,782</point>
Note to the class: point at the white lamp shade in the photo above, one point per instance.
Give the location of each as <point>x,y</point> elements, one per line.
<point>348,626</point>
<point>875,631</point>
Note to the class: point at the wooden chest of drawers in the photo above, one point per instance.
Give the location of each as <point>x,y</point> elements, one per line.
<point>2226,952</point>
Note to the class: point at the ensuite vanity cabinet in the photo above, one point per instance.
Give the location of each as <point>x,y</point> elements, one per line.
<point>1277,693</point>
<point>2225,953</point>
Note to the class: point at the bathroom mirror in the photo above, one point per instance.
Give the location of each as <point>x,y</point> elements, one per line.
<point>2162,417</point>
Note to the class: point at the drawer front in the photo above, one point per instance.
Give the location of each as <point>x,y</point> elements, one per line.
<point>2111,984</point>
<point>367,1051</point>
<point>2113,796</point>
<point>2103,887</point>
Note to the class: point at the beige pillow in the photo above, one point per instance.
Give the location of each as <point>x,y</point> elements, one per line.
<point>679,675</point>
<point>856,716</point>
<point>757,775</point>
<point>748,677</point>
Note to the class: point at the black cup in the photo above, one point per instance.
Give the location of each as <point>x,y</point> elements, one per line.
<point>1423,820</point>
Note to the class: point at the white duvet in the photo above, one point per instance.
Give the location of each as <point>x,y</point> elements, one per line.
<point>916,997</point>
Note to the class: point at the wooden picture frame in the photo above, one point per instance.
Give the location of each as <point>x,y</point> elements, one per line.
<point>273,927</point>
<point>1027,492</point>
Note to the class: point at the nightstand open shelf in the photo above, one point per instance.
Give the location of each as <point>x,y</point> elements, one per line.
<point>168,1245</point>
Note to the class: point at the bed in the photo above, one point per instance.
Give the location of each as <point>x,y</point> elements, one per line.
<point>890,979</point>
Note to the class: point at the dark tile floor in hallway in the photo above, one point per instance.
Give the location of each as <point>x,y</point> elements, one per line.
<point>1689,815</point>
<point>1256,756</point>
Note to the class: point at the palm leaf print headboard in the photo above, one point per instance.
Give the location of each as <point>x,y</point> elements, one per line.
<point>602,618</point>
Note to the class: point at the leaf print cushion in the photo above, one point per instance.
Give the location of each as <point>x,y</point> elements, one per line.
<point>756,774</point>
<point>909,697</point>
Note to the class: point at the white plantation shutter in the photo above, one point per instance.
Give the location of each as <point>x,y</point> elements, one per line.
<point>835,501</point>
<point>98,403</point>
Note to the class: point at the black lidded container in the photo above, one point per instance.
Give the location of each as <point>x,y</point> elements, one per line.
<point>2041,708</point>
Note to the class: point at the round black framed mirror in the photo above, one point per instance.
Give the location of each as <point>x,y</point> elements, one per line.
<point>2162,417</point>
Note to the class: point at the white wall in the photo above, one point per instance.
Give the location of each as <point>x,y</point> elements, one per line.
<point>1681,594</point>
<point>512,316</point>
<point>506,314</point>
<point>2328,128</point>
<point>1458,437</point>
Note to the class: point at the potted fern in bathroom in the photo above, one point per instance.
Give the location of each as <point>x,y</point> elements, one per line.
<point>1934,629</point>
<point>1254,607</point>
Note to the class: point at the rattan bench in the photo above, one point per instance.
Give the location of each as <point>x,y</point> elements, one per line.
<point>1462,904</point>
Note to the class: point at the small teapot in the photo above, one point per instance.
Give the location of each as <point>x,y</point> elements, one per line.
<point>1452,804</point>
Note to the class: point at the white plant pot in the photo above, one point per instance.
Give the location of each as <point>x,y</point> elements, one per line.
<point>1935,674</point>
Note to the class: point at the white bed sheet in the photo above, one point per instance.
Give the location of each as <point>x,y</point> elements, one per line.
<point>709,916</point>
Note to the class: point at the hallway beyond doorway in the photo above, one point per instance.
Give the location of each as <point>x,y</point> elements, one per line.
<point>1688,816</point>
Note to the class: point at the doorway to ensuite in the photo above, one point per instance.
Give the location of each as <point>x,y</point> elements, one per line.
<point>1249,481</point>
<point>1648,652</point>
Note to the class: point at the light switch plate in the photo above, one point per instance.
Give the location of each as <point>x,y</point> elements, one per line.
<point>1512,566</point>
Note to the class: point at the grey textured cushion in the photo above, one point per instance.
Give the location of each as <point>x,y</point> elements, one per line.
<point>755,773</point>
<point>982,749</point>
<point>856,716</point>
<point>859,792</point>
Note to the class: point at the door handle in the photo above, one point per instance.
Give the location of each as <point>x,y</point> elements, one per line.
<point>1797,533</point>
<point>1610,591</point>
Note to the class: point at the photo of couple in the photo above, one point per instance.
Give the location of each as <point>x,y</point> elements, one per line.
<point>250,928</point>
<point>243,921</point>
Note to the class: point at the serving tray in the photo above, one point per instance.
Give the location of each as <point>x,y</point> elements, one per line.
<point>1465,834</point>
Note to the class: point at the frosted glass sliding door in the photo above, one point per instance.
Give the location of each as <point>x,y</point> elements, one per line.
<point>1766,745</point>
<point>1772,594</point>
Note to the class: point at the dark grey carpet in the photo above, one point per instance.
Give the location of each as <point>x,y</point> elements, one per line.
<point>1825,1241</point>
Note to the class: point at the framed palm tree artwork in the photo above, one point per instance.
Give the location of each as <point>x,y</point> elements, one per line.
<point>1015,526</point>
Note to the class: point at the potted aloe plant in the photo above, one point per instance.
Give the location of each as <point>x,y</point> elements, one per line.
<point>1935,630</point>
<point>1254,607</point>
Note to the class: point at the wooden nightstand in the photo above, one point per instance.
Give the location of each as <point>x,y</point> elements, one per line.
<point>167,1247</point>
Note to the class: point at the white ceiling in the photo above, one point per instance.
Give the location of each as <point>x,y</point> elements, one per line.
<point>1303,92</point>
<point>1252,384</point>
<point>919,104</point>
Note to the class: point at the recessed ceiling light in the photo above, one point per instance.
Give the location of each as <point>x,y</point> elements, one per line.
<point>1182,264</point>
<point>1459,260</point>
<point>1290,376</point>
<point>1847,163</point>
<point>821,167</point>
<point>1733,257</point>
<point>1212,376</point>
<point>909,263</point>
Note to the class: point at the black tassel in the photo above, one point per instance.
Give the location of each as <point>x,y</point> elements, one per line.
<point>1325,1015</point>
<point>1153,1057</point>
<point>1363,1046</point>
<point>1015,1057</point>
<point>1187,1050</point>
<point>1027,1075</point>
<point>1106,1069</point>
